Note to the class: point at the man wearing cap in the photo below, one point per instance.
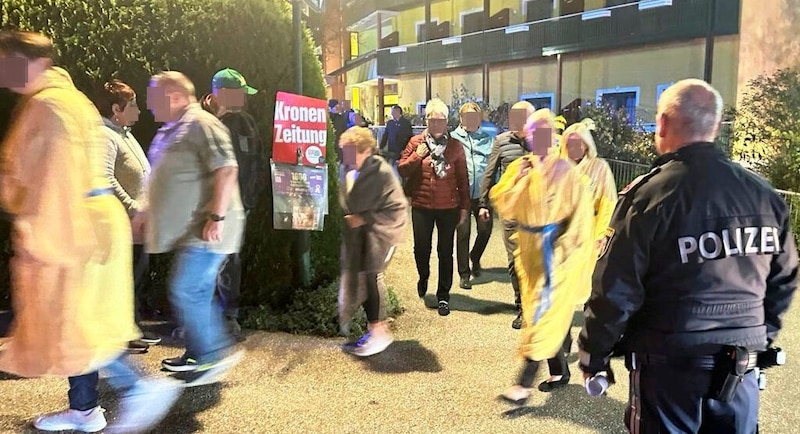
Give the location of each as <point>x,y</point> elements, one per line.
<point>229,88</point>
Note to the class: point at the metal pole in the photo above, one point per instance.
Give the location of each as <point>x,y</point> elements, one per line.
<point>709,57</point>
<point>303,244</point>
<point>559,84</point>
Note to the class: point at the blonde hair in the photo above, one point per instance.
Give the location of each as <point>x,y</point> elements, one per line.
<point>361,137</point>
<point>175,80</point>
<point>695,104</point>
<point>541,115</point>
<point>529,108</point>
<point>584,130</point>
<point>436,107</point>
<point>469,107</point>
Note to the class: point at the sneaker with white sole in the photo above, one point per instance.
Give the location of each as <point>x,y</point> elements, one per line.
<point>145,405</point>
<point>183,363</point>
<point>369,344</point>
<point>210,373</point>
<point>72,420</point>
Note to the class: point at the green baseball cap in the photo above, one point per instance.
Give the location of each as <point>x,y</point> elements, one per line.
<point>231,79</point>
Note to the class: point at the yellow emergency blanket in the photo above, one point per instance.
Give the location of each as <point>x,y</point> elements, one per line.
<point>553,208</point>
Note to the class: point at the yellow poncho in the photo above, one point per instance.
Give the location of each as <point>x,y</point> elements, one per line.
<point>553,209</point>
<point>597,175</point>
<point>72,277</point>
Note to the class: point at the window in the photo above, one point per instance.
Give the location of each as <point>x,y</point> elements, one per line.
<point>421,24</point>
<point>626,98</point>
<point>535,10</point>
<point>540,100</point>
<point>660,89</point>
<point>471,20</point>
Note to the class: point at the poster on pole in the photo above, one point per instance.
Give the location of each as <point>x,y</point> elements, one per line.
<point>299,196</point>
<point>300,130</point>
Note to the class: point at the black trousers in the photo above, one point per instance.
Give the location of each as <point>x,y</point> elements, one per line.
<point>509,228</point>
<point>558,364</point>
<point>423,222</point>
<point>666,399</point>
<point>141,279</point>
<point>463,253</point>
<point>374,305</point>
<point>229,285</point>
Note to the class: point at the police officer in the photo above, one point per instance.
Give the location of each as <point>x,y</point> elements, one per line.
<point>698,269</point>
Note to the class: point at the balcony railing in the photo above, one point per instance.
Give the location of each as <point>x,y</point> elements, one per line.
<point>627,26</point>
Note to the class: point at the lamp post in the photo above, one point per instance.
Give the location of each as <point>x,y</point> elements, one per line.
<point>303,241</point>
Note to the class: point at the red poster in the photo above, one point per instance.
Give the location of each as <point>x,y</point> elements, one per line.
<point>301,125</point>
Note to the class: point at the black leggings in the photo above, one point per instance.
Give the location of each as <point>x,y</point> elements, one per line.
<point>558,364</point>
<point>374,305</point>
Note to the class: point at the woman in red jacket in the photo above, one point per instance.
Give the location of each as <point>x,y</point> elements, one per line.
<point>434,169</point>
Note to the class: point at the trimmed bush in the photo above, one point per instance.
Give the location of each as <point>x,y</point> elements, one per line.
<point>102,39</point>
<point>314,311</point>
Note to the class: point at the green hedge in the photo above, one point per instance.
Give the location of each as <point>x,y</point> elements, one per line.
<point>100,39</point>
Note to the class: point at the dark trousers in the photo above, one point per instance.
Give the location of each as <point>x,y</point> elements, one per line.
<point>666,399</point>
<point>141,278</point>
<point>83,393</point>
<point>374,305</point>
<point>423,222</point>
<point>463,253</point>
<point>558,364</point>
<point>509,228</point>
<point>229,284</point>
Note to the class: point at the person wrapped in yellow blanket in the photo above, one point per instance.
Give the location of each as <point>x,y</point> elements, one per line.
<point>546,197</point>
<point>577,146</point>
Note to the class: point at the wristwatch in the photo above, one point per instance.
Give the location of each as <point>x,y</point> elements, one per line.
<point>216,217</point>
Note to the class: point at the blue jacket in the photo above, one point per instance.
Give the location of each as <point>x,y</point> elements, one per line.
<point>477,148</point>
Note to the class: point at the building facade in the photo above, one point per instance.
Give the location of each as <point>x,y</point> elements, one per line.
<point>553,53</point>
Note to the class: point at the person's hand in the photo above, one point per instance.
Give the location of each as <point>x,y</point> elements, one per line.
<point>524,168</point>
<point>463,216</point>
<point>422,150</point>
<point>212,231</point>
<point>138,223</point>
<point>484,214</point>
<point>354,220</point>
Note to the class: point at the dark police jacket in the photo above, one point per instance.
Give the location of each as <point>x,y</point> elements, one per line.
<point>699,255</point>
<point>506,148</point>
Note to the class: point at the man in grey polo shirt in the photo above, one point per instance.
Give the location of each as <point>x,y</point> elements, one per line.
<point>194,210</point>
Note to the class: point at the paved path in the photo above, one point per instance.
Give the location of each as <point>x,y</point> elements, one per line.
<point>441,376</point>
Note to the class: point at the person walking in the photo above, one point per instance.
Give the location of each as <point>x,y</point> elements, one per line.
<point>396,136</point>
<point>699,267</point>
<point>229,90</point>
<point>506,148</point>
<point>477,148</point>
<point>127,170</point>
<point>435,171</point>
<point>577,145</point>
<point>375,211</point>
<point>195,210</point>
<point>546,197</point>
<point>72,274</point>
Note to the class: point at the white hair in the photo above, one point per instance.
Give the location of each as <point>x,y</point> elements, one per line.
<point>436,107</point>
<point>695,104</point>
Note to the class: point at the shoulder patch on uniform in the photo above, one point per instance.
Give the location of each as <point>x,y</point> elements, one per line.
<point>605,242</point>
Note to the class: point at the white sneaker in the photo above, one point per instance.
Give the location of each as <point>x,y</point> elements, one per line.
<point>370,344</point>
<point>72,420</point>
<point>145,405</point>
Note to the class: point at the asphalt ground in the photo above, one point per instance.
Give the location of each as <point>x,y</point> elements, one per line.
<point>441,375</point>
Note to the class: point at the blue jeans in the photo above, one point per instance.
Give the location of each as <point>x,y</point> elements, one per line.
<point>192,287</point>
<point>83,393</point>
